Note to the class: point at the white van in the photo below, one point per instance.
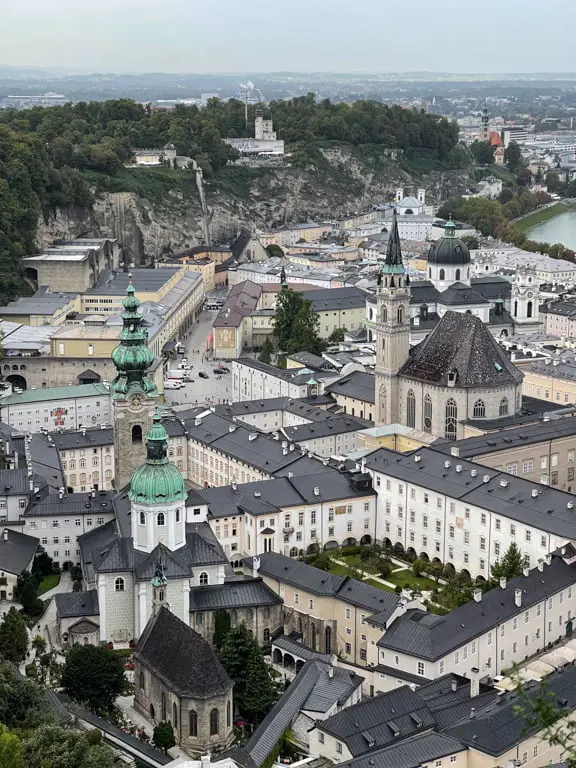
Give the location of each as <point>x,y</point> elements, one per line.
<point>173,384</point>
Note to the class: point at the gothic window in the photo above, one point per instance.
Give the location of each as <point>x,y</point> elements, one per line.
<point>228,714</point>
<point>192,723</point>
<point>160,519</point>
<point>164,707</point>
<point>313,636</point>
<point>529,309</point>
<point>400,314</point>
<point>503,410</point>
<point>142,686</point>
<point>479,409</point>
<point>266,636</point>
<point>411,409</point>
<point>457,274</point>
<point>174,715</point>
<point>328,640</point>
<point>383,345</point>
<point>428,414</point>
<point>450,423</point>
<point>384,314</point>
<point>442,274</point>
<point>119,584</point>
<point>136,433</point>
<point>160,595</point>
<point>515,309</point>
<point>142,518</point>
<point>214,722</point>
<point>203,578</point>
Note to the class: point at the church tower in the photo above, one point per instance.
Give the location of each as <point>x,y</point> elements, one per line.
<point>133,392</point>
<point>485,134</point>
<point>392,330</point>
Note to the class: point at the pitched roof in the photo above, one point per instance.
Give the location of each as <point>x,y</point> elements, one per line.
<point>72,604</point>
<point>357,385</point>
<point>460,295</point>
<point>83,438</point>
<point>16,550</point>
<point>419,750</point>
<point>248,593</point>
<point>181,658</point>
<point>461,344</point>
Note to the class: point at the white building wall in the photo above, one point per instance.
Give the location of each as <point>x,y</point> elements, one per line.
<point>69,413</point>
<point>58,534</point>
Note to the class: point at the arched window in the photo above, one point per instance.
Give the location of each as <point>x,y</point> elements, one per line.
<point>136,433</point>
<point>163,718</point>
<point>457,274</point>
<point>177,515</point>
<point>228,714</point>
<point>313,636</point>
<point>266,636</point>
<point>119,584</point>
<point>429,272</point>
<point>142,518</point>
<point>214,722</point>
<point>142,685</point>
<point>174,715</point>
<point>160,519</point>
<point>442,274</point>
<point>328,640</point>
<point>428,414</point>
<point>383,404</point>
<point>479,411</point>
<point>529,309</point>
<point>503,410</point>
<point>370,314</point>
<point>451,417</point>
<point>203,578</point>
<point>400,314</point>
<point>192,723</point>
<point>384,315</point>
<point>411,409</point>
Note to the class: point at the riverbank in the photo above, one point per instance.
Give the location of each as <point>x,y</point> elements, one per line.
<point>541,215</point>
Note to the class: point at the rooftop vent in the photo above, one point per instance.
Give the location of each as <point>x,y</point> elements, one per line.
<point>447,464</point>
<point>257,494</point>
<point>252,436</point>
<point>473,472</point>
<point>417,458</point>
<point>535,493</point>
<point>458,467</point>
<point>504,483</point>
<point>486,479</point>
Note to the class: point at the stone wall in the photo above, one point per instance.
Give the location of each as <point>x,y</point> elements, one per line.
<point>256,620</point>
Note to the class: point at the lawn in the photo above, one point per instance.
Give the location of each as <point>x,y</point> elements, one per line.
<point>49,582</point>
<point>355,560</point>
<point>339,570</point>
<point>374,583</point>
<point>407,577</point>
<point>544,214</point>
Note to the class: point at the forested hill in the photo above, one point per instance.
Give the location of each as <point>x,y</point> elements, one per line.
<point>49,156</point>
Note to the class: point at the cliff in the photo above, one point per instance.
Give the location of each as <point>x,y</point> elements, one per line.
<point>156,210</point>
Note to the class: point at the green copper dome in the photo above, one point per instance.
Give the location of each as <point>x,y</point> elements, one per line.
<point>132,357</point>
<point>158,481</point>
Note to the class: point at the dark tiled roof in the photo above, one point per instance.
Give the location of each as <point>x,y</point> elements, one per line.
<point>181,658</point>
<point>357,385</point>
<point>83,627</point>
<point>72,504</point>
<point>15,482</point>
<point>460,295</point>
<point>419,750</point>
<point>338,425</point>
<point>461,343</point>
<point>16,550</point>
<point>249,593</point>
<point>83,438</point>
<point>423,292</point>
<point>427,636</point>
<point>332,299</point>
<point>71,604</point>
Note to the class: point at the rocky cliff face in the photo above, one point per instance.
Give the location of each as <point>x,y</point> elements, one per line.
<point>340,184</point>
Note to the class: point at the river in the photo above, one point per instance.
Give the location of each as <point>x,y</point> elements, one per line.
<point>560,229</point>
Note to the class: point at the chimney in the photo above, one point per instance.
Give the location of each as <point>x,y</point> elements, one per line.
<point>518,598</point>
<point>474,683</point>
<point>548,559</point>
<point>540,565</point>
<point>454,686</point>
<point>455,451</point>
<point>16,458</point>
<point>316,491</point>
<point>255,567</point>
<point>31,485</point>
<point>5,534</point>
<point>503,582</point>
<point>330,671</point>
<point>234,486</point>
<point>478,595</point>
<point>472,713</point>
<point>526,571</point>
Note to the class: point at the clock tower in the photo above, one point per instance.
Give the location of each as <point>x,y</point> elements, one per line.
<point>133,392</point>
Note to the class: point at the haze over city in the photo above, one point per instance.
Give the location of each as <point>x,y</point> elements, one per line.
<point>254,36</point>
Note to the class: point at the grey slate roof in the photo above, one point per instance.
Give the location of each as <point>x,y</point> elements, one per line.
<point>181,658</point>
<point>248,593</point>
<point>380,721</point>
<point>300,406</point>
<point>357,385</point>
<point>328,299</point>
<point>427,636</point>
<point>90,437</point>
<point>286,643</point>
<point>461,343</point>
<point>16,550</point>
<point>15,482</point>
<point>338,425</point>
<point>72,604</point>
<point>71,504</point>
<point>459,294</point>
<point>45,463</point>
<point>418,751</point>
<point>299,574</point>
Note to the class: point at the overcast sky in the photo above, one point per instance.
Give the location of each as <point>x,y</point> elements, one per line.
<point>297,35</point>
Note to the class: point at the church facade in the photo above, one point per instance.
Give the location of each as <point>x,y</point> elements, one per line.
<point>458,374</point>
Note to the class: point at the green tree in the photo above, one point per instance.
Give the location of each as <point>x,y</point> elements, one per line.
<point>52,746</point>
<point>337,336</point>
<point>254,689</point>
<point>93,676</point>
<point>296,324</point>
<point>22,702</point>
<point>26,592</point>
<point>513,156</point>
<point>510,566</point>
<point>10,750</point>
<point>163,736</point>
<point>274,251</point>
<point>221,626</point>
<point>43,565</point>
<point>483,152</point>
<point>471,242</point>
<point>13,637</point>
<point>266,352</point>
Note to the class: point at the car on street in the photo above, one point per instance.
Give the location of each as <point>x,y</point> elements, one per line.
<point>173,384</point>
<point>203,375</point>
<point>220,371</point>
<point>224,368</point>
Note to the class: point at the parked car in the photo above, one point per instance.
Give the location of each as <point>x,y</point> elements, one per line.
<point>224,368</point>
<point>220,371</point>
<point>173,384</point>
<point>203,375</point>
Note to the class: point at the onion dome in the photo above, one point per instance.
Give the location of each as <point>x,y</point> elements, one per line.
<point>449,251</point>
<point>132,357</point>
<point>157,481</point>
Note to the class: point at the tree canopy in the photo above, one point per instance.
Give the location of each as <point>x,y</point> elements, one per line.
<point>93,676</point>
<point>13,637</point>
<point>22,702</point>
<point>163,736</point>
<point>52,746</point>
<point>510,566</point>
<point>296,324</point>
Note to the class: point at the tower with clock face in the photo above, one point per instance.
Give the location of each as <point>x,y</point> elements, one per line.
<point>525,301</point>
<point>134,394</point>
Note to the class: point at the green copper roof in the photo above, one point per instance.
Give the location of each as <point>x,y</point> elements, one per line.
<point>132,357</point>
<point>158,481</point>
<point>450,228</point>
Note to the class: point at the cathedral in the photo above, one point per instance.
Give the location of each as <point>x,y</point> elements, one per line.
<point>458,374</point>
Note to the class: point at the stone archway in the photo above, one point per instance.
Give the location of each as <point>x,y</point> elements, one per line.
<point>424,556</point>
<point>366,540</point>
<point>411,553</point>
<point>17,380</point>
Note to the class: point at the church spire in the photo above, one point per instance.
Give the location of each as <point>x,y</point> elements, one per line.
<point>393,263</point>
<point>283,280</point>
<point>450,228</point>
<point>132,357</point>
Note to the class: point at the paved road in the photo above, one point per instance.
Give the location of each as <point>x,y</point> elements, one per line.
<point>201,391</point>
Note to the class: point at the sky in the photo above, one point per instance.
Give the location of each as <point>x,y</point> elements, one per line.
<point>236,36</point>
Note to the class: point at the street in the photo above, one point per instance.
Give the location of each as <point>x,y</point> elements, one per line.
<point>208,391</point>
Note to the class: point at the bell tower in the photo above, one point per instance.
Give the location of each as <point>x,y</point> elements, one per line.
<point>392,330</point>
<point>133,392</point>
